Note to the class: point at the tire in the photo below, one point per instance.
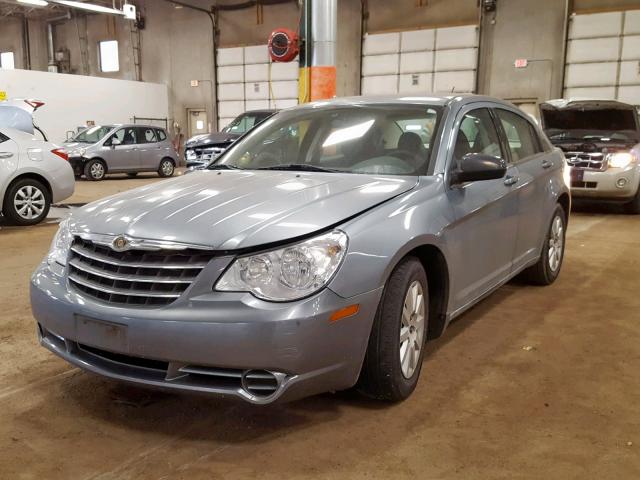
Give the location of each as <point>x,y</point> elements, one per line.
<point>633,207</point>
<point>27,202</point>
<point>384,375</point>
<point>132,174</point>
<point>166,168</point>
<point>95,170</point>
<point>548,267</point>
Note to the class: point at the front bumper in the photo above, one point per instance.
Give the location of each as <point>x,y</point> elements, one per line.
<point>77,163</point>
<point>612,184</point>
<point>230,334</point>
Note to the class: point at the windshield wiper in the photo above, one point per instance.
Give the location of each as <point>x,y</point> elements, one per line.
<point>301,167</point>
<point>222,166</point>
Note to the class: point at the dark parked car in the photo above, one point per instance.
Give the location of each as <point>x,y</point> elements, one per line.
<point>201,149</point>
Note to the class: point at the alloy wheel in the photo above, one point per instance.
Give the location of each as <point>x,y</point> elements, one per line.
<point>412,329</point>
<point>29,202</point>
<point>167,168</point>
<point>97,170</point>
<point>556,243</point>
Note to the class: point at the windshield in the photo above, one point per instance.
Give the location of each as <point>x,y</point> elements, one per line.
<point>245,122</point>
<point>93,134</point>
<point>576,124</point>
<point>382,139</point>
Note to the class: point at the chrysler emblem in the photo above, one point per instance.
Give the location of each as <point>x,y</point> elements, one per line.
<point>120,243</point>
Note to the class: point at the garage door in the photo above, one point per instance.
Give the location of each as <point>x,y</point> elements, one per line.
<point>603,56</point>
<point>420,61</point>
<point>243,82</point>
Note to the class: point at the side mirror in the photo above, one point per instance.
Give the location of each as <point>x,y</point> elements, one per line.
<point>115,141</point>
<point>477,166</point>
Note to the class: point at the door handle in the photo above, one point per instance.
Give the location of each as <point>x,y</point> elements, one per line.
<point>510,181</point>
<point>6,154</point>
<point>547,163</point>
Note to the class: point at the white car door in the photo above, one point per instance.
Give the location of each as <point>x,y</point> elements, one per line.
<point>9,156</point>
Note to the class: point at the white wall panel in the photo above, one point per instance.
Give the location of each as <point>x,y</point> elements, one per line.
<point>285,89</point>
<point>631,47</point>
<point>457,37</point>
<point>230,108</point>
<point>230,56</point>
<point>593,50</point>
<point>256,91</point>
<point>256,105</point>
<point>417,40</point>
<point>596,25</point>
<point>629,73</point>
<point>463,59</point>
<point>377,44</point>
<point>256,54</point>
<point>283,103</point>
<point>632,22</point>
<point>380,64</point>
<point>284,71</point>
<point>231,91</point>
<point>629,94</point>
<point>598,93</point>
<point>380,85</point>
<point>416,62</point>
<point>416,83</point>
<point>591,74</point>
<point>233,74</point>
<point>454,82</point>
<point>256,73</point>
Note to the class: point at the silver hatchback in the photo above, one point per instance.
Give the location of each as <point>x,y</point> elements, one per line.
<point>129,149</point>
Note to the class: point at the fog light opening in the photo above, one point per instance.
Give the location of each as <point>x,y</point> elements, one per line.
<point>621,182</point>
<point>259,383</point>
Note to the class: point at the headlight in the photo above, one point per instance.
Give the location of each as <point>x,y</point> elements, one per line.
<point>60,246</point>
<point>620,160</point>
<point>289,273</point>
<point>82,151</point>
<point>190,154</point>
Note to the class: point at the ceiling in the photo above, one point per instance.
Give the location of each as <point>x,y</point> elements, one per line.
<point>15,9</point>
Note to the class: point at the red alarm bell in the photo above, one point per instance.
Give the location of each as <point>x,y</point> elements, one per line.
<point>283,45</point>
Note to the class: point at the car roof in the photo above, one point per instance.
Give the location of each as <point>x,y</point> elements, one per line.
<point>119,125</point>
<point>426,99</point>
<point>567,102</point>
<point>266,110</point>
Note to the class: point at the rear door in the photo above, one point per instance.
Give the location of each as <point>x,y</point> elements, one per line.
<point>535,167</point>
<point>484,234</point>
<point>123,156</point>
<point>149,148</point>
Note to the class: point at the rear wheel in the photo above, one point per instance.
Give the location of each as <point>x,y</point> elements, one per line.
<point>95,170</point>
<point>548,267</point>
<point>396,346</point>
<point>633,207</point>
<point>27,202</point>
<point>166,168</point>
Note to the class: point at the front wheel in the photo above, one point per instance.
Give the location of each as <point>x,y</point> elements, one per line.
<point>166,168</point>
<point>95,170</point>
<point>396,346</point>
<point>27,202</point>
<point>548,267</point>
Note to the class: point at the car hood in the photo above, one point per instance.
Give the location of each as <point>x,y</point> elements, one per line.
<point>211,139</point>
<point>229,210</point>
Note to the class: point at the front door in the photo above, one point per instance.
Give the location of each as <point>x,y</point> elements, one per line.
<point>484,234</point>
<point>149,148</point>
<point>198,123</point>
<point>122,155</point>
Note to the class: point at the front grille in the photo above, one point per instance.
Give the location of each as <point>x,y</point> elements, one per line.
<point>588,161</point>
<point>134,277</point>
<point>584,184</point>
<point>204,154</point>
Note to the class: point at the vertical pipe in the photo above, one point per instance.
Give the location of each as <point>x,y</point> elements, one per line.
<point>50,48</point>
<point>324,31</point>
<point>26,43</point>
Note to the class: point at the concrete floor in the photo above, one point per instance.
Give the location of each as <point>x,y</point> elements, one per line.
<point>532,383</point>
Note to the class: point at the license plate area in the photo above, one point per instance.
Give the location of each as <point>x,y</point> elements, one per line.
<point>102,334</point>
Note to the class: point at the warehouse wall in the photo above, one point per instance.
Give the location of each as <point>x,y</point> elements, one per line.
<point>592,6</point>
<point>11,40</point>
<point>384,15</point>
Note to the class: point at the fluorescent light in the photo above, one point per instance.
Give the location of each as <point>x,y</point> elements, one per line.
<point>89,6</point>
<point>348,133</point>
<point>37,3</point>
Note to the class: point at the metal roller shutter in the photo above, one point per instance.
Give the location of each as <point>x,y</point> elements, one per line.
<point>420,61</point>
<point>603,56</point>
<point>243,82</point>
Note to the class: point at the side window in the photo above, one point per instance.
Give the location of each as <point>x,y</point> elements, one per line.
<point>477,134</point>
<point>3,138</point>
<point>162,136</point>
<point>129,137</point>
<point>146,135</point>
<point>520,135</point>
<point>119,134</point>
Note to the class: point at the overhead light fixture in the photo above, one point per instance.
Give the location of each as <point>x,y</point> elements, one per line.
<point>92,7</point>
<point>37,3</point>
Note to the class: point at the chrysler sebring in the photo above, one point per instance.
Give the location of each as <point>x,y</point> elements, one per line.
<point>320,252</point>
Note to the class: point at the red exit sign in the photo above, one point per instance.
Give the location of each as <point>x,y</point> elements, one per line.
<point>521,63</point>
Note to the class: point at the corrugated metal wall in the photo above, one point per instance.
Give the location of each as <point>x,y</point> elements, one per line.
<point>420,61</point>
<point>603,56</point>
<point>243,82</point>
